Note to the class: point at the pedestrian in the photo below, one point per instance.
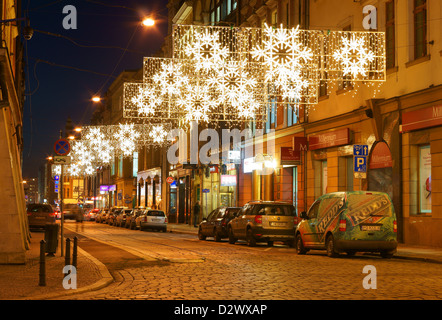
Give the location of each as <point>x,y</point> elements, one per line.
<point>196,213</point>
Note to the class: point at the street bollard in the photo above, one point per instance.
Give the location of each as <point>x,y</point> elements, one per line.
<point>42,278</point>
<point>67,258</point>
<point>74,253</point>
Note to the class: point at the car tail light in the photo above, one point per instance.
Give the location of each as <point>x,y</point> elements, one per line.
<point>395,226</point>
<point>145,219</point>
<point>295,220</point>
<point>29,214</point>
<point>165,220</point>
<point>342,225</point>
<point>52,214</point>
<point>258,219</point>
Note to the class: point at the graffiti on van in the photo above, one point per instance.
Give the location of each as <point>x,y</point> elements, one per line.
<point>360,211</point>
<point>331,212</point>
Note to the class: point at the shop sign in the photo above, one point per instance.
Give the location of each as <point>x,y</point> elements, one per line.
<point>380,156</point>
<point>329,139</point>
<point>214,169</point>
<point>206,190</point>
<point>250,165</point>
<point>290,156</point>
<point>234,156</point>
<point>113,187</point>
<point>104,188</point>
<point>422,118</point>
<point>228,180</point>
<point>300,144</point>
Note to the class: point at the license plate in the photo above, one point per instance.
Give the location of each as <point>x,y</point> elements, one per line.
<point>278,224</point>
<point>370,228</point>
<point>157,220</point>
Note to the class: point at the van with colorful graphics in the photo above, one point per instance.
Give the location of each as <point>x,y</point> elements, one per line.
<point>350,222</point>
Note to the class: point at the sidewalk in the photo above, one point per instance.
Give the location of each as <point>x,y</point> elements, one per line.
<point>21,282</point>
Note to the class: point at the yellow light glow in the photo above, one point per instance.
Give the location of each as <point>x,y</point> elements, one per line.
<point>78,129</point>
<point>148,22</point>
<point>96,99</point>
<point>71,137</point>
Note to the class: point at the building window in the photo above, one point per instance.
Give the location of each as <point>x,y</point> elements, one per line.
<point>424,169</point>
<point>292,115</point>
<point>221,9</point>
<point>324,177</point>
<point>390,34</point>
<point>420,28</point>
<point>135,165</point>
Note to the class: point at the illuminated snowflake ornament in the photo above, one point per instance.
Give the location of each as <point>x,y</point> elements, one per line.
<point>126,137</point>
<point>354,56</point>
<point>158,134</point>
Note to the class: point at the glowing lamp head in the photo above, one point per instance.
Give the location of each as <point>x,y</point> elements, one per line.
<point>148,22</point>
<point>96,99</point>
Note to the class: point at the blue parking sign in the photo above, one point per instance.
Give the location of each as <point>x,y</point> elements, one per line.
<point>360,164</point>
<point>360,150</point>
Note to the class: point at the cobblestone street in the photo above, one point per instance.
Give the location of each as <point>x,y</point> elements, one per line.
<point>170,266</point>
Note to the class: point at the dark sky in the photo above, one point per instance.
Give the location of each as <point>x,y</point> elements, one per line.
<point>56,92</point>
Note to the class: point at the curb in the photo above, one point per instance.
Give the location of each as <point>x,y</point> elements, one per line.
<point>106,280</point>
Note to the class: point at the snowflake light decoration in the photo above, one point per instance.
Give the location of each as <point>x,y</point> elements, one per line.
<point>126,137</point>
<point>158,134</point>
<point>354,56</point>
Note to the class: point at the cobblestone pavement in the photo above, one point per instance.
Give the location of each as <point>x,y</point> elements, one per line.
<point>167,266</point>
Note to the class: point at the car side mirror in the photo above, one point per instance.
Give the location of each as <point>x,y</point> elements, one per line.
<point>304,215</point>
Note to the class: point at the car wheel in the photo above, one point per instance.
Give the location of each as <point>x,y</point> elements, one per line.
<point>251,242</point>
<point>232,238</point>
<point>386,254</point>
<point>216,236</point>
<point>350,253</point>
<point>200,235</point>
<point>300,249</point>
<point>270,243</point>
<point>330,246</point>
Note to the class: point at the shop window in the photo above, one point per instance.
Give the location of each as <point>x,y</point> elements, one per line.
<point>320,169</point>
<point>324,176</point>
<point>424,179</point>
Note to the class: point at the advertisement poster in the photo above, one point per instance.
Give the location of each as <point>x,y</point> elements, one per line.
<point>425,179</point>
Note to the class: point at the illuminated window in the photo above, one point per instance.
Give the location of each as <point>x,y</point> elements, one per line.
<point>390,34</point>
<point>420,28</point>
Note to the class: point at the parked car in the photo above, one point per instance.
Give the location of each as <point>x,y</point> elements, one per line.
<point>101,215</point>
<point>91,214</point>
<point>120,219</point>
<point>130,219</point>
<point>215,225</point>
<point>39,215</point>
<point>264,221</point>
<point>110,217</point>
<point>349,222</point>
<point>152,219</point>
<point>72,211</point>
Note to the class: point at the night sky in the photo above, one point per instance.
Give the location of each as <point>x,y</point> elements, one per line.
<point>55,91</point>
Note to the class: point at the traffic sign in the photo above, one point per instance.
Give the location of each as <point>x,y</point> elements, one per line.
<point>360,163</point>
<point>62,160</point>
<point>62,147</point>
<point>169,180</point>
<point>360,150</point>
<point>206,190</point>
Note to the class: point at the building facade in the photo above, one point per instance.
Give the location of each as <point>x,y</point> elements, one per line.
<point>399,120</point>
<point>14,231</point>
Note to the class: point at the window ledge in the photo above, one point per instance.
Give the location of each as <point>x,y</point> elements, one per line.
<point>417,61</point>
<point>344,90</point>
<point>324,97</point>
<point>392,70</point>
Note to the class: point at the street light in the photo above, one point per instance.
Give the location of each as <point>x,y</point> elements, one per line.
<point>148,22</point>
<point>96,99</point>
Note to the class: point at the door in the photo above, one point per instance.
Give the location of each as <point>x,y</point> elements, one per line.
<point>309,225</point>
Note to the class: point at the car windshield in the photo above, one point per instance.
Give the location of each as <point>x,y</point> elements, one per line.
<point>155,213</point>
<point>274,210</point>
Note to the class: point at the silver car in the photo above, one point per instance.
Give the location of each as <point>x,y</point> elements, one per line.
<point>152,219</point>
<point>264,221</point>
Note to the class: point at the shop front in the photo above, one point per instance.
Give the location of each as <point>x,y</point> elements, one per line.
<point>149,189</point>
<point>421,132</point>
